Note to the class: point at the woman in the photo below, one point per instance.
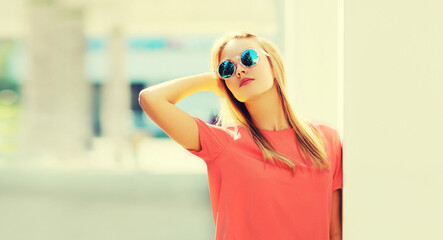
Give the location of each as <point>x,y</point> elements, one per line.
<point>272,174</point>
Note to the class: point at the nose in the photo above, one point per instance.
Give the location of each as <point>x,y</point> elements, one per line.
<point>240,70</point>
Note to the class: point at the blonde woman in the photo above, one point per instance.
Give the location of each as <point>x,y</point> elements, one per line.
<point>272,174</point>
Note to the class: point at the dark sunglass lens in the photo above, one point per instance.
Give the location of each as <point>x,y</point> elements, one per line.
<point>226,69</point>
<point>249,58</point>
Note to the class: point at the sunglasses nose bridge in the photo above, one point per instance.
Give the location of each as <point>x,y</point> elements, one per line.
<point>235,61</point>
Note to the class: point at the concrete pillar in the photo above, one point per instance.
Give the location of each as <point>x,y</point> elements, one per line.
<point>56,114</point>
<point>115,114</point>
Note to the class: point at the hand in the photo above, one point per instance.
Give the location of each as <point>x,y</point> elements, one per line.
<point>218,86</point>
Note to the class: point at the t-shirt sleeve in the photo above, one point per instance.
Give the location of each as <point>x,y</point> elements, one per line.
<point>213,140</point>
<point>337,180</point>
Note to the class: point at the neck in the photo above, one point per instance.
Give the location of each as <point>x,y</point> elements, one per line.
<point>267,112</point>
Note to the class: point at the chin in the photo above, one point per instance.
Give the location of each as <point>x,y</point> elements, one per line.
<point>249,97</point>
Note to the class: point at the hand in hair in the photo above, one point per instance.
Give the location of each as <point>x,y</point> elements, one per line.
<point>218,86</point>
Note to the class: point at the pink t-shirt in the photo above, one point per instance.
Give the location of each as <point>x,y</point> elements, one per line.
<point>254,200</point>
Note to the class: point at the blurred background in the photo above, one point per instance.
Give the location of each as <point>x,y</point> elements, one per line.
<point>79,159</point>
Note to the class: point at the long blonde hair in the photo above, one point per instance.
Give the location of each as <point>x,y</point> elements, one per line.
<point>312,144</point>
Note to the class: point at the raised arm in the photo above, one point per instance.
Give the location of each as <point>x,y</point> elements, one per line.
<point>158,102</point>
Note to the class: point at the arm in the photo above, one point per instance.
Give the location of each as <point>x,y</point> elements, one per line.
<point>175,90</point>
<point>336,219</point>
<point>158,102</point>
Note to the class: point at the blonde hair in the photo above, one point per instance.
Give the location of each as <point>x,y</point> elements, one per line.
<point>312,144</point>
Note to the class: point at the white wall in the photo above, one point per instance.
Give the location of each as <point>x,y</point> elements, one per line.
<point>374,69</point>
<point>311,58</point>
<point>393,111</point>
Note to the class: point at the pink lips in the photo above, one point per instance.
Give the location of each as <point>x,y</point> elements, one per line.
<point>245,81</point>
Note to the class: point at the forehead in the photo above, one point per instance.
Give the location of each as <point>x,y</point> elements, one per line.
<point>236,47</point>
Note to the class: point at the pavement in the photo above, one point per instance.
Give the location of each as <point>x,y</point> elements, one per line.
<point>162,193</point>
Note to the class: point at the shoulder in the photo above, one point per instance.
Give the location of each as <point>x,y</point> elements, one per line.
<point>326,129</point>
<point>230,130</point>
<point>332,138</point>
<point>233,130</point>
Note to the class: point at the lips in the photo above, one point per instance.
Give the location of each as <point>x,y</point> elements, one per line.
<point>245,80</point>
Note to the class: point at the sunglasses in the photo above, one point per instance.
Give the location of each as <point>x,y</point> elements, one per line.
<point>249,58</point>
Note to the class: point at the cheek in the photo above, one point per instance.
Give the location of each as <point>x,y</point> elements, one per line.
<point>266,71</point>
<point>230,84</point>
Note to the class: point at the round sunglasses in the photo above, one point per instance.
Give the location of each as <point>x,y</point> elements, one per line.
<point>249,58</point>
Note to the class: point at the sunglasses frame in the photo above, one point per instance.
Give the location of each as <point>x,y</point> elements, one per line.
<point>235,64</point>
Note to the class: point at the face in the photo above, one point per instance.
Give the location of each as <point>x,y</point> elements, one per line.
<point>261,72</point>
